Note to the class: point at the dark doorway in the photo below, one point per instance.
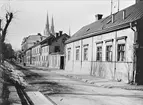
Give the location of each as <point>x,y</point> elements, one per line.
<point>62,62</point>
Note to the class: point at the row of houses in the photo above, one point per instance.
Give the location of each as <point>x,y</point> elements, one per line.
<point>110,47</point>
<point>48,52</point>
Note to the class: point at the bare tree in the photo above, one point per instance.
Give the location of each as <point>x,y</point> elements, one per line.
<point>3,31</point>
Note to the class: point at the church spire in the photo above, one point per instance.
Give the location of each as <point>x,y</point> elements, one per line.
<point>69,31</point>
<point>52,27</point>
<point>46,31</point>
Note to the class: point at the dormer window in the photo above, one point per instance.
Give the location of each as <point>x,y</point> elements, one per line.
<point>108,21</point>
<point>88,29</point>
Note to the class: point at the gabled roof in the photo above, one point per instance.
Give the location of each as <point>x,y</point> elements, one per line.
<point>47,39</point>
<point>105,25</point>
<point>65,36</point>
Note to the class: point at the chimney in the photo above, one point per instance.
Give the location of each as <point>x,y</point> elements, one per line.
<point>98,17</point>
<point>124,14</point>
<point>113,18</point>
<point>57,34</point>
<point>39,34</point>
<point>60,33</point>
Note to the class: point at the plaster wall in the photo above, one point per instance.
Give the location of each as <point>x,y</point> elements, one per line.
<point>118,70</point>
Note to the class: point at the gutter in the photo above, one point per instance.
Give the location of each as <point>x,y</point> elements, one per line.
<point>107,30</point>
<point>91,58</point>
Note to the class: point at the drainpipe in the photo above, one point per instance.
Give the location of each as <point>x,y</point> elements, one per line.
<point>91,58</point>
<point>73,58</point>
<point>81,53</point>
<point>134,53</point>
<point>115,54</point>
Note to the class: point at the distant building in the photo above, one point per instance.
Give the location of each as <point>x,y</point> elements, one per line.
<point>45,50</point>
<point>28,42</point>
<point>57,51</point>
<point>48,52</point>
<point>110,47</point>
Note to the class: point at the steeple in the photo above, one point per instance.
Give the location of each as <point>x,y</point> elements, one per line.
<point>69,31</point>
<point>52,27</point>
<point>47,31</point>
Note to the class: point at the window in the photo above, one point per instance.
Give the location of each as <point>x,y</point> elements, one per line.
<point>69,52</point>
<point>85,53</point>
<point>57,48</point>
<point>121,52</point>
<point>47,49</point>
<point>109,53</point>
<point>39,58</point>
<point>99,53</point>
<point>77,54</point>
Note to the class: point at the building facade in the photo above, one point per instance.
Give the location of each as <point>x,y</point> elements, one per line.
<point>109,48</point>
<point>48,52</point>
<point>57,51</point>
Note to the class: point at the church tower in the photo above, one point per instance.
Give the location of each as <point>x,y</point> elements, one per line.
<point>47,31</point>
<point>52,27</point>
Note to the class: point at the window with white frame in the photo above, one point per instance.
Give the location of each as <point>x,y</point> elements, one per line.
<point>69,54</point>
<point>99,53</point>
<point>109,53</point>
<point>85,53</point>
<point>121,52</point>
<point>77,53</point>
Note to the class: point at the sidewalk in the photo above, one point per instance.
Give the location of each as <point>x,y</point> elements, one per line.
<point>99,82</point>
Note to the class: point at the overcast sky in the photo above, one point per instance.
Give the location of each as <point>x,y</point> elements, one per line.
<point>30,16</point>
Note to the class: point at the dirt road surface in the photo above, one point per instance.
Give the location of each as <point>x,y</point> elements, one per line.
<point>66,91</point>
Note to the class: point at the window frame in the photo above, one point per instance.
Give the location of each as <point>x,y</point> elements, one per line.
<point>98,52</point>
<point>85,53</point>
<point>69,55</point>
<point>121,53</point>
<point>77,53</point>
<point>109,57</point>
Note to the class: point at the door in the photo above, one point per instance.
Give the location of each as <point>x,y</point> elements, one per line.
<point>62,62</point>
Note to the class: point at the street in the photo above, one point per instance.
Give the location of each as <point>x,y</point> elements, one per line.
<point>66,91</point>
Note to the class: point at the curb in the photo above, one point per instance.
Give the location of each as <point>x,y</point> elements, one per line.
<point>103,85</point>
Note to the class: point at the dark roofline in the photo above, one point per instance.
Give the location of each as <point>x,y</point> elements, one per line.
<point>57,38</point>
<point>105,27</point>
<point>32,46</point>
<point>107,30</point>
<point>45,40</point>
